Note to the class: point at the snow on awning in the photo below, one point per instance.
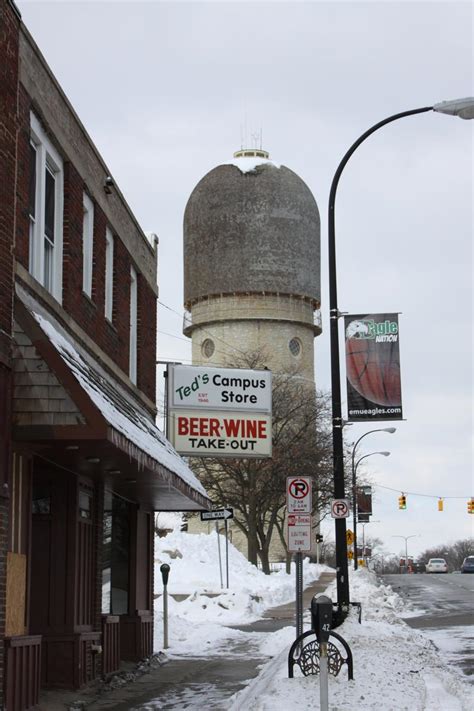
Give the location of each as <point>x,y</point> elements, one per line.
<point>130,427</point>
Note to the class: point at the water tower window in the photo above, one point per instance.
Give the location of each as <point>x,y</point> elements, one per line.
<point>295,347</point>
<point>208,348</point>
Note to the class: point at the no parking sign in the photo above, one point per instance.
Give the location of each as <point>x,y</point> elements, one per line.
<point>298,494</point>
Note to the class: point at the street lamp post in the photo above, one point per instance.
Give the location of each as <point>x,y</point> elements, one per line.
<point>354,484</point>
<point>414,535</point>
<point>363,535</point>
<point>464,108</point>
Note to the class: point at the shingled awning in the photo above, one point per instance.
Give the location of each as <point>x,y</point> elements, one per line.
<point>103,431</point>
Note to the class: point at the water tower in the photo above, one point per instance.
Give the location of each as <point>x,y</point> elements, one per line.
<point>252,266</point>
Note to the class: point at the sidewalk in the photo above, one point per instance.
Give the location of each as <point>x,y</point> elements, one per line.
<point>192,682</point>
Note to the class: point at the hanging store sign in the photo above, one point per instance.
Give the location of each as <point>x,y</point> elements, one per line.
<point>221,434</point>
<point>220,412</point>
<point>233,389</point>
<point>373,367</point>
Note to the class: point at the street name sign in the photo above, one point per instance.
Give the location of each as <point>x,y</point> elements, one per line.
<point>217,514</point>
<point>340,508</point>
<point>298,495</point>
<point>299,533</point>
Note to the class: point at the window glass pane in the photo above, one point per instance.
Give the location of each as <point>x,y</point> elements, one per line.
<point>115,555</point>
<point>120,556</point>
<point>32,185</point>
<point>41,503</point>
<point>84,505</point>
<point>48,265</point>
<point>49,204</point>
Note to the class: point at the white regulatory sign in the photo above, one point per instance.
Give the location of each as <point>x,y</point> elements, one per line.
<point>340,508</point>
<point>298,533</point>
<point>298,494</point>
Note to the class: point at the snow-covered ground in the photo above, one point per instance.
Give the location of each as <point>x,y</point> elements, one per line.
<point>395,667</point>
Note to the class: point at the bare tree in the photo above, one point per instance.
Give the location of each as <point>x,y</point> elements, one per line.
<point>302,446</point>
<point>454,553</point>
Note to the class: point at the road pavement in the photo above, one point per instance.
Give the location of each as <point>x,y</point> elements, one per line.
<point>446,612</point>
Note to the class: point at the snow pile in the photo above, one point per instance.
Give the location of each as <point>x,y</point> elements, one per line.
<point>194,572</point>
<point>396,668</point>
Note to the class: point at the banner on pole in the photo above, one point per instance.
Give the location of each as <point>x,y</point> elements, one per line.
<point>364,502</point>
<point>373,367</point>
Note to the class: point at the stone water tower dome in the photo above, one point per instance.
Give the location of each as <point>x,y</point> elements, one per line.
<point>252,263</point>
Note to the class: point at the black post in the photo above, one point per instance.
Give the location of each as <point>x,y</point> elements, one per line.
<point>343,599</point>
<point>354,508</point>
<point>299,593</point>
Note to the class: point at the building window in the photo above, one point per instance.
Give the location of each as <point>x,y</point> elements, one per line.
<point>133,325</point>
<point>208,348</point>
<point>109,273</point>
<point>45,211</point>
<point>295,347</point>
<point>115,555</point>
<point>85,507</point>
<point>87,244</point>
<point>41,499</point>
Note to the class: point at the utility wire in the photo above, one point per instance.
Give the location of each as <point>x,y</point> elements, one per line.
<point>218,352</point>
<point>414,493</point>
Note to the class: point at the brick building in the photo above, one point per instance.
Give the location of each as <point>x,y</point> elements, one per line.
<point>82,464</point>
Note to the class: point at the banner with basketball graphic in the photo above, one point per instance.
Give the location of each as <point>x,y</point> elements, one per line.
<point>373,367</point>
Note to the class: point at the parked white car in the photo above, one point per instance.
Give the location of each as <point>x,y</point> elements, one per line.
<point>436,565</point>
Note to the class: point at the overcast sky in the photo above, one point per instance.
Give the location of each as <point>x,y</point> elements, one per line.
<point>163,89</point>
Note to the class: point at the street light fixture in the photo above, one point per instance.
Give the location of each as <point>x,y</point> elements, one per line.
<point>414,535</point>
<point>464,108</point>
<point>354,486</point>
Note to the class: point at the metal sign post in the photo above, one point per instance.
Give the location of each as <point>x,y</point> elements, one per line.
<point>299,504</point>
<point>226,553</point>
<point>219,552</point>
<point>299,593</point>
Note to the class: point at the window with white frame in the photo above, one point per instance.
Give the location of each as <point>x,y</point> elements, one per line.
<point>87,243</point>
<point>133,324</point>
<point>45,211</point>
<point>109,273</point>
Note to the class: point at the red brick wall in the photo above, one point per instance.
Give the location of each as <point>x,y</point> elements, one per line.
<point>9,25</point>
<point>23,176</point>
<point>146,356</point>
<point>89,313</point>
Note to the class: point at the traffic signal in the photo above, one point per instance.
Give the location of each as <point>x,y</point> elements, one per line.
<point>470,506</point>
<point>319,538</point>
<point>440,504</point>
<point>402,502</point>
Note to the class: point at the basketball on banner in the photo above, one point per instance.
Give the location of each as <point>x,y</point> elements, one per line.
<point>373,367</point>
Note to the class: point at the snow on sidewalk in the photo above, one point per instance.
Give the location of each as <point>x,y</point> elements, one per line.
<point>396,668</point>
